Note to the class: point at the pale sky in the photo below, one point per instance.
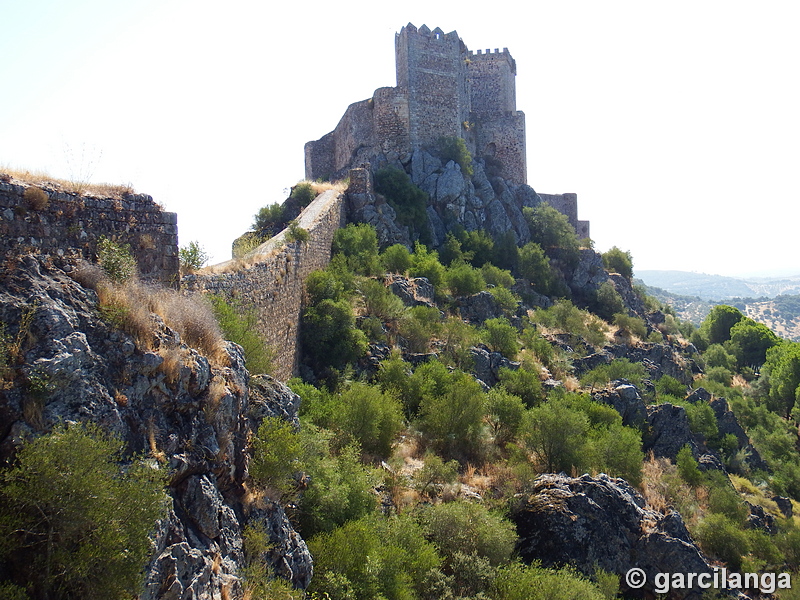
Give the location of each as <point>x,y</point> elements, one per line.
<point>675,123</point>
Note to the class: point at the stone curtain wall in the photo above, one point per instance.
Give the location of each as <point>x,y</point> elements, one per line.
<point>70,227</point>
<point>493,88</point>
<point>274,285</point>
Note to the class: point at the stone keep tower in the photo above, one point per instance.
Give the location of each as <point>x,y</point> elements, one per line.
<point>431,72</point>
<point>443,90</point>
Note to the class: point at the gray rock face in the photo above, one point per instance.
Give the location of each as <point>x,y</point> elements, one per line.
<point>413,291</point>
<point>626,400</point>
<point>488,364</point>
<point>194,416</point>
<point>479,307</point>
<point>590,522</point>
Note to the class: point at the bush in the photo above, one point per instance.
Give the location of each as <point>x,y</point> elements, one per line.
<point>425,263</point>
<point>619,368</point>
<point>501,337</point>
<point>553,232</point>
<point>533,582</point>
<point>380,301</point>
<point>359,244</point>
<point>116,260</point>
<point>36,198</point>
<point>617,261</point>
<point>73,523</point>
<point>497,276</point>
<point>467,528</point>
<point>373,558</point>
<point>463,279</point>
<point>434,473</point>
<point>724,539</point>
<point>506,412</point>
<point>418,325</point>
<point>522,383</point>
<point>687,467</point>
<point>507,300</point>
<point>193,257</point>
<point>534,266</point>
<point>239,325</point>
<point>277,452</point>
<point>455,149</point>
<point>268,216</point>
<point>368,416</point>
<point>296,233</point>
<point>632,326</point>
<point>303,193</point>
<point>329,335</point>
<point>341,488</point>
<point>408,201</point>
<point>558,437</point>
<point>451,414</point>
<point>668,385</point>
<point>608,302</point>
<point>567,317</point>
<point>396,259</point>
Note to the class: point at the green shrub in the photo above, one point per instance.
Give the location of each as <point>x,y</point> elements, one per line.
<point>455,149</point>
<point>434,473</point>
<point>608,302</point>
<point>507,300</point>
<point>396,259</point>
<point>478,246</point>
<point>359,244</point>
<point>73,523</point>
<point>368,416</point>
<point>553,232</point>
<point>722,538</point>
<point>668,385</point>
<point>506,412</point>
<point>501,337</point>
<point>617,261</point>
<point>619,368</point>
<point>341,488</point>
<point>533,582</point>
<point>296,233</point>
<point>463,279</point>
<point>418,325</point>
<point>702,419</point>
<point>193,257</point>
<point>719,375</point>
<point>632,326</point>
<point>239,325</point>
<point>116,260</point>
<point>303,193</point>
<point>497,276</point>
<point>522,383</point>
<point>425,263</point>
<point>467,528</point>
<point>373,558</point>
<point>408,201</point>
<point>456,341</point>
<point>534,266</point>
<point>687,467</point>
<point>567,317</point>
<point>268,216</point>
<point>558,437</point>
<point>329,335</point>
<point>277,452</point>
<point>380,301</point>
<point>717,356</point>
<point>451,412</point>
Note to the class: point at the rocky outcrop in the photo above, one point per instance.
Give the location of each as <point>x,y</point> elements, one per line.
<point>591,522</point>
<point>625,398</point>
<point>413,291</point>
<point>192,414</point>
<point>487,364</point>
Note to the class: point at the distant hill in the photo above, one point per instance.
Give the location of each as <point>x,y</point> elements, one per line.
<point>780,313</point>
<point>719,287</point>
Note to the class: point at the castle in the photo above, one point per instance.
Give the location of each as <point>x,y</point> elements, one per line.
<point>443,90</point>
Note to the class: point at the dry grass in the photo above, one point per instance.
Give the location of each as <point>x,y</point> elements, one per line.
<point>128,306</point>
<point>44,180</point>
<point>172,364</point>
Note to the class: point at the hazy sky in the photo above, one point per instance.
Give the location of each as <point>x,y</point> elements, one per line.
<point>675,123</point>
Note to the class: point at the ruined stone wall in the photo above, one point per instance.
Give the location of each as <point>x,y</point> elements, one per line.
<point>274,285</point>
<point>568,204</point>
<point>70,226</point>
<point>502,139</point>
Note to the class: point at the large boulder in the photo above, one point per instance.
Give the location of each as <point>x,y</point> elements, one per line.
<point>627,401</point>
<point>590,522</point>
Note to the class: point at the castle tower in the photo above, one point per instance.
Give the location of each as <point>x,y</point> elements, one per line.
<point>431,71</point>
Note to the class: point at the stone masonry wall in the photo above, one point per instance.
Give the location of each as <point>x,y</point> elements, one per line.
<point>70,226</point>
<point>274,285</point>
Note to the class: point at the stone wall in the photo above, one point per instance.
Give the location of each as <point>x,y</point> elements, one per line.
<point>273,283</point>
<point>568,204</point>
<point>493,87</point>
<point>70,226</point>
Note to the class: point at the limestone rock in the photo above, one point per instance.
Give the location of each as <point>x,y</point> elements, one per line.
<point>625,399</point>
<point>590,522</point>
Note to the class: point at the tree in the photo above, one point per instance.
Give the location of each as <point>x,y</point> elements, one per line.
<point>193,257</point>
<point>74,522</point>
<point>553,232</point>
<point>716,327</point>
<point>330,337</point>
<point>268,216</point>
<point>534,266</point>
<point>754,339</point>
<point>783,367</point>
<point>464,280</point>
<point>617,261</point>
<point>116,260</point>
<point>369,416</point>
<point>396,259</point>
<point>557,435</point>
